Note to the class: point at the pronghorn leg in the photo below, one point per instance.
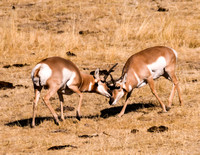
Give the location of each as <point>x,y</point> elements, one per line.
<point>52,90</point>
<point>60,95</point>
<point>151,85</point>
<point>35,102</point>
<point>125,105</point>
<point>175,86</point>
<point>76,90</point>
<point>166,75</point>
<point>171,98</point>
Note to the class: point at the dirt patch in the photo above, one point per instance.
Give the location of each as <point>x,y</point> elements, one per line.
<point>59,147</point>
<point>157,129</point>
<point>6,85</point>
<point>88,136</point>
<point>134,131</point>
<point>16,65</point>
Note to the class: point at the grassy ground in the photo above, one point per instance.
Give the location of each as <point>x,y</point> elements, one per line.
<point>100,33</point>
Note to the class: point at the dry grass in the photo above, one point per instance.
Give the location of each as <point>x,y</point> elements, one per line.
<point>111,31</point>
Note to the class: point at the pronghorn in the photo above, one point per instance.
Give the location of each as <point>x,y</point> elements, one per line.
<point>142,68</point>
<point>62,76</point>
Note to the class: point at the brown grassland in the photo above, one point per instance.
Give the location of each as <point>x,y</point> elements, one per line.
<point>100,33</point>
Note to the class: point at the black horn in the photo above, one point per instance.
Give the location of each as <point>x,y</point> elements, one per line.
<point>110,70</point>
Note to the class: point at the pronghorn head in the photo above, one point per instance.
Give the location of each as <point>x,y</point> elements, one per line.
<point>118,89</point>
<point>100,84</point>
<point>100,81</point>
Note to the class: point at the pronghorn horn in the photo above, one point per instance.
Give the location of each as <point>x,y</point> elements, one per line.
<point>114,81</point>
<point>110,70</point>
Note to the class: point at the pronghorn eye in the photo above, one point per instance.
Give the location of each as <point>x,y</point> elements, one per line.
<point>102,81</point>
<point>96,84</point>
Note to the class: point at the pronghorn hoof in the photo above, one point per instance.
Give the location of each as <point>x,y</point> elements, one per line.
<point>62,119</point>
<point>168,108</point>
<point>161,112</point>
<point>120,115</point>
<point>78,116</point>
<point>56,122</point>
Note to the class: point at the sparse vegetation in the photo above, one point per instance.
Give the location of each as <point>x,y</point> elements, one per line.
<point>100,33</point>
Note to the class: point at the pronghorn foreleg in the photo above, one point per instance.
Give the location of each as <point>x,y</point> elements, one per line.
<point>125,105</point>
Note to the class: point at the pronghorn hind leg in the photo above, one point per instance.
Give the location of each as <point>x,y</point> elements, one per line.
<point>175,86</point>
<point>60,95</point>
<point>37,91</point>
<point>168,77</point>
<point>52,90</point>
<point>76,90</point>
<point>151,85</point>
<point>171,98</point>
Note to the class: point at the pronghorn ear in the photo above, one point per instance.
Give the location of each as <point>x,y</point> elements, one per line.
<point>124,79</point>
<point>96,74</point>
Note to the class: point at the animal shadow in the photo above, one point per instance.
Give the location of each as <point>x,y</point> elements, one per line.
<point>27,122</point>
<point>130,108</point>
<point>39,120</point>
<point>106,113</point>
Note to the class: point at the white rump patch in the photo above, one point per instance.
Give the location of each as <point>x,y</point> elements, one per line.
<point>68,77</point>
<point>174,52</point>
<point>44,74</point>
<point>33,71</point>
<point>157,68</point>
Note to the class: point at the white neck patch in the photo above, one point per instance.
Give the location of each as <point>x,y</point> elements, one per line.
<point>90,86</point>
<point>137,78</point>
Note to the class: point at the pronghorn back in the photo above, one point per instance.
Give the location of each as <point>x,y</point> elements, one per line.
<point>149,56</point>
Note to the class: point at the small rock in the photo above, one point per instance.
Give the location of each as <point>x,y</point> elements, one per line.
<point>70,53</point>
<point>134,130</point>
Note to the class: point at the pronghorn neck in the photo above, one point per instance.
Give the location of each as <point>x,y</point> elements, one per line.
<point>88,83</point>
